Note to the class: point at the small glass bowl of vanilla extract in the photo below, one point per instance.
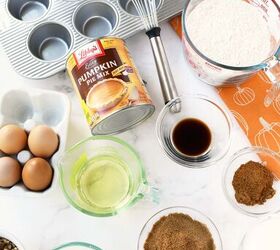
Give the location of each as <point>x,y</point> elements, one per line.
<point>197,136</point>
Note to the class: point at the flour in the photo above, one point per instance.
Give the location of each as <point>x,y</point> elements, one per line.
<point>230,32</point>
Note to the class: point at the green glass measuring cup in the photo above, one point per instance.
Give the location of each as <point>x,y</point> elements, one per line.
<point>77,246</point>
<point>102,175</point>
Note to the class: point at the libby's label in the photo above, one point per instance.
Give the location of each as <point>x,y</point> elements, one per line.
<point>88,51</point>
<point>96,69</point>
<point>106,79</point>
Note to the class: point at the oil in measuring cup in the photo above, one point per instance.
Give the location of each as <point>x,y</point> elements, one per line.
<point>103,182</point>
<point>102,175</point>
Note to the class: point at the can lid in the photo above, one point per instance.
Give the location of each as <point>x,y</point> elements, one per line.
<point>124,119</point>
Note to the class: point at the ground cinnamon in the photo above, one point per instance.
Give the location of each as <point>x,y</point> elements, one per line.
<point>178,231</point>
<point>253,183</point>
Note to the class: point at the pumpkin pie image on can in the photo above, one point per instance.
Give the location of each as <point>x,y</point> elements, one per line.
<point>111,91</point>
<point>106,94</point>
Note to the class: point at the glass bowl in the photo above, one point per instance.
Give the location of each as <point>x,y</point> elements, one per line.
<point>217,74</point>
<point>195,214</point>
<point>102,151</point>
<point>263,242</point>
<point>263,156</point>
<point>12,238</point>
<point>77,246</point>
<point>201,108</point>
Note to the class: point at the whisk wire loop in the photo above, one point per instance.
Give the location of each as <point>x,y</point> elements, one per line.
<point>147,11</point>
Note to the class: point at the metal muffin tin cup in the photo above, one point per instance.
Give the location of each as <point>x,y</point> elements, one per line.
<point>26,10</point>
<point>95,19</point>
<point>45,32</point>
<point>50,41</point>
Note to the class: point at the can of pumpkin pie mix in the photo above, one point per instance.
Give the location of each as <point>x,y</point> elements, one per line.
<point>111,91</point>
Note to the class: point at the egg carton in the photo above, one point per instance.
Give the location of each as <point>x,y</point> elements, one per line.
<point>34,107</point>
<point>39,35</point>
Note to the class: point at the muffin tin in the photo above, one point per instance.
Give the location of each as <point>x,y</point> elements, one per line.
<point>39,35</point>
<point>31,108</point>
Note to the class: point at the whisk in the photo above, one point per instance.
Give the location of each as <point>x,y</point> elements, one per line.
<point>147,11</point>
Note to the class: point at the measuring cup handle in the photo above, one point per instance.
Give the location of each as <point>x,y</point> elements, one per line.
<point>271,73</point>
<point>150,193</point>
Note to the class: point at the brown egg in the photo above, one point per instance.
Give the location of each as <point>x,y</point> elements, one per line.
<point>12,139</point>
<point>43,141</point>
<point>37,174</point>
<point>10,172</point>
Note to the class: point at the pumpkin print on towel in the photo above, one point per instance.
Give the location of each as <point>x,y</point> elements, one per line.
<point>244,96</point>
<point>273,98</point>
<point>272,94</point>
<point>269,135</point>
<point>276,104</point>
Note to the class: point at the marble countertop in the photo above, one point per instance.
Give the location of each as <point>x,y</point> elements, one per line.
<point>44,223</point>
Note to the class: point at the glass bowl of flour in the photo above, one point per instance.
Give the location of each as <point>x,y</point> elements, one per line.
<point>226,42</point>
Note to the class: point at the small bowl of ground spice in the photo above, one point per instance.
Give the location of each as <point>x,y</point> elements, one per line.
<point>9,241</point>
<point>251,181</point>
<point>179,228</point>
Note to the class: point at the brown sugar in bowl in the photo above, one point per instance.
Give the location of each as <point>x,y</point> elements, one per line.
<point>191,215</point>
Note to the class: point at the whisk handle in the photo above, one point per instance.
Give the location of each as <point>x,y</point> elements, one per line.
<point>166,79</point>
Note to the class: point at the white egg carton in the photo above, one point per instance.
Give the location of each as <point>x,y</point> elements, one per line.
<point>28,108</point>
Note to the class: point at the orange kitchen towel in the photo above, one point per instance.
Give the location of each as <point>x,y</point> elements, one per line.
<point>255,105</point>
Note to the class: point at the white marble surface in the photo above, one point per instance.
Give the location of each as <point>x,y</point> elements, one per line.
<point>43,223</point>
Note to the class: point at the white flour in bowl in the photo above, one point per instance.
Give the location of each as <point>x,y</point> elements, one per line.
<point>230,32</point>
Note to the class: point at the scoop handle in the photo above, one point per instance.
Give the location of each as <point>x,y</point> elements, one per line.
<point>166,79</point>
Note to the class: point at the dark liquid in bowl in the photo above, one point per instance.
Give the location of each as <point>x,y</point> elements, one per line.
<point>192,137</point>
